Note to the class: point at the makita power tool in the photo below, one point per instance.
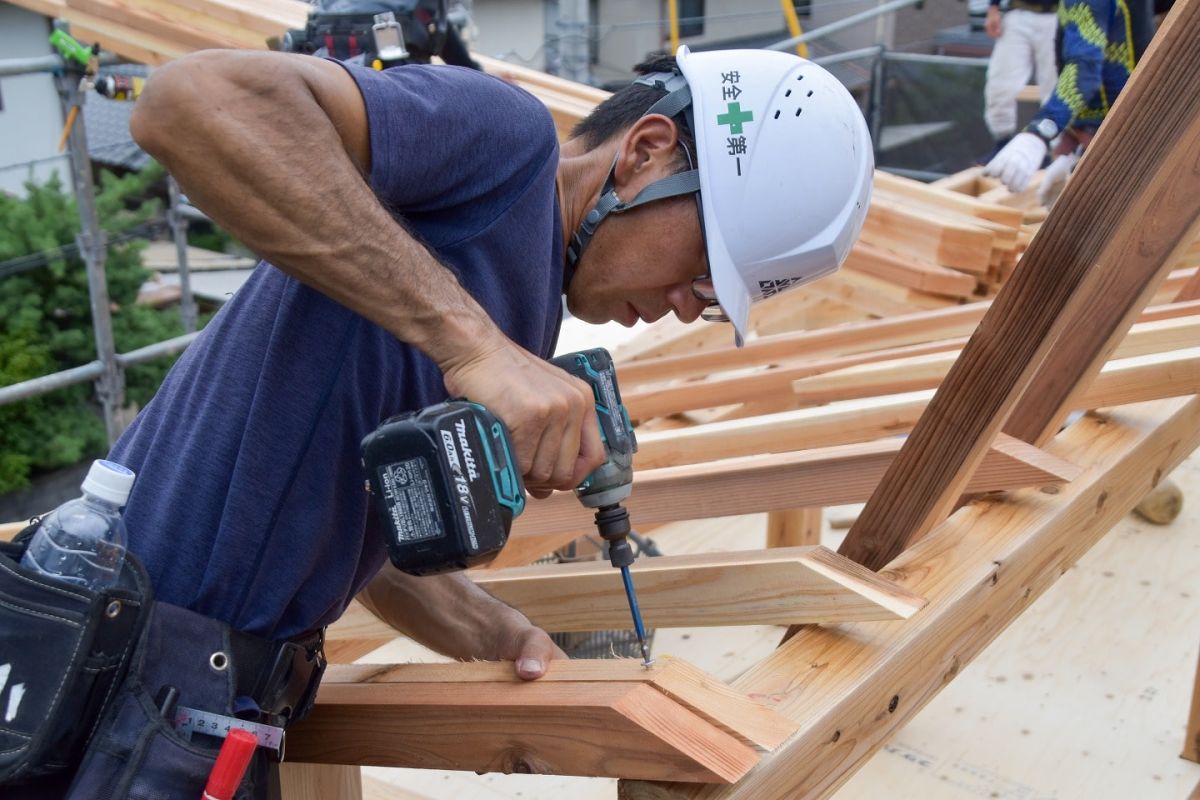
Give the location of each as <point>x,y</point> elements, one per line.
<point>447,486</point>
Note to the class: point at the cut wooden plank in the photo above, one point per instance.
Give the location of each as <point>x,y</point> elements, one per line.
<point>852,687</point>
<point>944,198</point>
<point>743,718</point>
<point>907,271</point>
<point>1136,380</point>
<point>841,340</point>
<point>821,477</point>
<point>356,633</point>
<point>134,17</point>
<point>1143,165</point>
<point>321,782</point>
<point>846,422</point>
<point>770,587</point>
<point>1190,290</point>
<point>1191,742</point>
<point>910,374</point>
<point>797,527</point>
<point>757,386</point>
<point>606,726</point>
<point>892,225</point>
<point>1073,361</point>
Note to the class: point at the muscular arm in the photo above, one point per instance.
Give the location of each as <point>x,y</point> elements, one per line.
<point>450,614</point>
<point>274,148</point>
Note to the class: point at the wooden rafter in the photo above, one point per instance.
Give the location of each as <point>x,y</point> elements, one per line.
<point>1143,165</point>
<point>604,718</point>
<point>851,687</point>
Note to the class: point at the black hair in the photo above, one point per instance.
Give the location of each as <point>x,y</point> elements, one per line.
<point>626,106</point>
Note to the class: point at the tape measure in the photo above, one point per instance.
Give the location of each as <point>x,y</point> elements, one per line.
<point>189,720</point>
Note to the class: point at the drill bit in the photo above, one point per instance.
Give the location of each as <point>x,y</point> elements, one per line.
<point>638,626</point>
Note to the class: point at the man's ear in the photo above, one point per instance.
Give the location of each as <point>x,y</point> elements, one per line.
<point>647,152</point>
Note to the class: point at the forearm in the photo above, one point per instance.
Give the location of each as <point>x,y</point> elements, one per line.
<point>446,613</point>
<point>270,147</point>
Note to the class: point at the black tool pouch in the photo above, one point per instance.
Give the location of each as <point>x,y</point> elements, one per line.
<point>63,651</point>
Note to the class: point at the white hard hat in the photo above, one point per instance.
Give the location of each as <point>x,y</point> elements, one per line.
<point>785,170</point>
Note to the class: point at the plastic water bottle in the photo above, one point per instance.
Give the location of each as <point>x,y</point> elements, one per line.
<point>83,541</point>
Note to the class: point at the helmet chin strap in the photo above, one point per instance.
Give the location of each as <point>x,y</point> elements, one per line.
<point>678,99</point>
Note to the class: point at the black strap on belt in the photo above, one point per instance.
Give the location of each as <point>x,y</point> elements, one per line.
<point>281,677</point>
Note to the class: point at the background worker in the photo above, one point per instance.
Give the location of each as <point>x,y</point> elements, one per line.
<point>1097,50</point>
<point>1024,33</point>
<point>420,227</point>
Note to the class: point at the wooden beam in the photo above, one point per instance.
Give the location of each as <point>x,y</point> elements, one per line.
<point>1143,165</point>
<point>320,782</point>
<point>840,340</point>
<point>1191,742</point>
<point>763,587</point>
<point>821,477</point>
<point>852,687</point>
<point>910,272</point>
<point>355,634</point>
<point>1075,360</point>
<point>594,719</point>
<point>797,527</point>
<point>917,372</point>
<point>757,386</point>
<point>940,197</point>
<point>739,716</point>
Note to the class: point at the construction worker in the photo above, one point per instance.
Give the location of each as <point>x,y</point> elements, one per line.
<point>1024,33</point>
<point>420,227</point>
<point>1096,51</point>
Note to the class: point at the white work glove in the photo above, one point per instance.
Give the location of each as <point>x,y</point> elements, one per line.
<point>1016,163</point>
<point>1055,178</point>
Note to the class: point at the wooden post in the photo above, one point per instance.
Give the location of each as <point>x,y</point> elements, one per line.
<point>1107,242</point>
<point>319,781</point>
<point>795,528</point>
<point>1191,745</point>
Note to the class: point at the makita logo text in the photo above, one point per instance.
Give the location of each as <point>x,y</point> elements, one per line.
<point>468,456</point>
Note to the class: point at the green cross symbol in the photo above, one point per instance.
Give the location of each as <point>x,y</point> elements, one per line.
<point>735,117</point>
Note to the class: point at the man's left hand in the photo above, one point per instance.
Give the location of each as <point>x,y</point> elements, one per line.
<point>450,614</point>
<point>528,647</point>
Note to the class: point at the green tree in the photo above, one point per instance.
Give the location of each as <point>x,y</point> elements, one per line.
<point>46,325</point>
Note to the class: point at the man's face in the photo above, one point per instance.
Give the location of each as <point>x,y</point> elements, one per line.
<point>640,264</point>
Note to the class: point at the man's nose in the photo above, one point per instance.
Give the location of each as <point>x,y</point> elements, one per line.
<point>686,305</point>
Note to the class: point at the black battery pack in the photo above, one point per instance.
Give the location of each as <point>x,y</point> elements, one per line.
<point>445,485</point>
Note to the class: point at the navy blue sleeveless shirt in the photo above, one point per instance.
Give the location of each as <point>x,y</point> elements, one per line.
<point>249,505</point>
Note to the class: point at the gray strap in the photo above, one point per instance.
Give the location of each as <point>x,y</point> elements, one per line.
<point>670,186</point>
<point>673,103</point>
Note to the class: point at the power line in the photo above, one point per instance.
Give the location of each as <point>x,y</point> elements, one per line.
<point>42,258</point>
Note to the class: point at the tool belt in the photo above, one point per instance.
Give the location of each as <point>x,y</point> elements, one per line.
<point>63,650</point>
<point>69,652</point>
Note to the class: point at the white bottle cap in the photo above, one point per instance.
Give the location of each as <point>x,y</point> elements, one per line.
<point>109,481</point>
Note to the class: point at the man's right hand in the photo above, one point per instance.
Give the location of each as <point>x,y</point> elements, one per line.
<point>992,23</point>
<point>550,414</point>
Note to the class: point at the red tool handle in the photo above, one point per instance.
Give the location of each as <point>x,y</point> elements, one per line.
<point>230,767</point>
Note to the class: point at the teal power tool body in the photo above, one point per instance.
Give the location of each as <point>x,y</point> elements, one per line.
<point>447,487</point>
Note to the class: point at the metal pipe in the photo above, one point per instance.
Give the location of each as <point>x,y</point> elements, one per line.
<point>48,383</point>
<point>47,63</point>
<point>874,51</point>
<point>928,58</point>
<point>168,347</point>
<point>842,24</point>
<point>110,384</point>
<point>179,225</point>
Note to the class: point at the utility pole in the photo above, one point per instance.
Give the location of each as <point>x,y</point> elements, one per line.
<point>573,40</point>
